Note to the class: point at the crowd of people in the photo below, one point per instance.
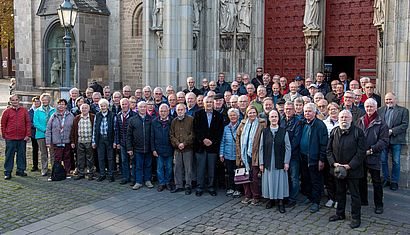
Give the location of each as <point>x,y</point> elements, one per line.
<point>299,138</point>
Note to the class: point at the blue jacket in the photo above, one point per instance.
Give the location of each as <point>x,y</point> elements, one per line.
<point>160,140</point>
<point>120,130</point>
<point>317,141</point>
<point>228,142</point>
<point>40,121</point>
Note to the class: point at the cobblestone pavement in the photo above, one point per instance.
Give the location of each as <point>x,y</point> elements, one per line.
<point>24,200</point>
<point>31,205</point>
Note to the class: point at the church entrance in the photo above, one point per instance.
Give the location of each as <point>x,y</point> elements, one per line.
<point>337,64</point>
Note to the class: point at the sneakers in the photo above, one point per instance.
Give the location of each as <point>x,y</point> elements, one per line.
<point>335,206</point>
<point>137,186</point>
<point>246,200</point>
<point>314,208</point>
<point>255,202</point>
<point>229,192</point>
<point>329,204</point>
<point>236,194</point>
<point>149,184</point>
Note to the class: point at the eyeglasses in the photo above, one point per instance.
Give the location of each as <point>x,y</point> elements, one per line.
<point>348,97</point>
<point>370,87</point>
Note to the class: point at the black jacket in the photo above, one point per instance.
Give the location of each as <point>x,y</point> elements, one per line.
<point>202,131</point>
<point>317,141</point>
<point>293,127</point>
<point>377,138</point>
<point>97,125</point>
<point>347,147</point>
<point>399,123</point>
<point>120,128</point>
<point>139,134</point>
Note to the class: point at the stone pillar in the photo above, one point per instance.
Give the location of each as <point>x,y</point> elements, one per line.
<point>114,40</point>
<point>150,45</point>
<point>314,38</point>
<point>394,60</point>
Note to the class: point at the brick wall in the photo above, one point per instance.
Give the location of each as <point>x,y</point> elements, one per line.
<point>131,46</point>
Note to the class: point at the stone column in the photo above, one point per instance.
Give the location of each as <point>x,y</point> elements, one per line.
<point>185,42</point>
<point>314,38</point>
<point>114,40</point>
<point>394,64</point>
<point>150,45</point>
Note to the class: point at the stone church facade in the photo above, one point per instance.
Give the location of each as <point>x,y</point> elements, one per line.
<point>161,42</point>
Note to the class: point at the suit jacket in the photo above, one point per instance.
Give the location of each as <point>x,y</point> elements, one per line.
<point>399,123</point>
<point>202,131</point>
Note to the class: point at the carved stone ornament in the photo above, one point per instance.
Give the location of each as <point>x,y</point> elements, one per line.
<point>311,38</point>
<point>197,8</point>
<point>160,36</point>
<point>226,41</point>
<point>195,40</point>
<point>379,7</point>
<point>242,42</point>
<point>311,17</point>
<point>157,14</point>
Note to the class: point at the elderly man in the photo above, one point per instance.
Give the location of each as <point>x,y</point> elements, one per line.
<point>159,98</point>
<point>169,90</point>
<point>376,139</point>
<point>337,95</point>
<point>363,82</point>
<point>313,155</point>
<point>250,92</point>
<point>172,100</point>
<point>222,85</point>
<point>235,88</point>
<point>182,139</point>
<point>291,123</point>
<point>318,96</point>
<point>301,85</point>
<point>276,95</point>
<point>120,128</point>
<point>16,130</point>
<point>81,136</point>
<point>89,95</point>
<point>344,80</point>
<point>261,94</point>
<point>204,86</point>
<point>267,107</point>
<point>293,92</point>
<point>180,97</point>
<point>322,108</point>
<point>126,91</point>
<point>353,85</point>
<point>243,102</point>
<point>147,93</point>
<point>234,101</point>
<point>397,119</point>
<point>107,93</point>
<point>348,98</point>
<point>208,130</point>
<point>138,146</point>
<point>258,80</point>
<point>346,149</point>
<point>245,82</point>
<point>322,86</point>
<point>369,93</point>
<point>190,98</point>
<point>116,106</point>
<point>191,87</point>
<point>267,83</point>
<point>95,107</point>
<point>357,99</point>
<point>137,94</point>
<point>161,146</point>
<point>71,106</point>
<point>220,107</point>
<point>103,140</point>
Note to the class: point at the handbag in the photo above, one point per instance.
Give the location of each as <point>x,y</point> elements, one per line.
<point>242,176</point>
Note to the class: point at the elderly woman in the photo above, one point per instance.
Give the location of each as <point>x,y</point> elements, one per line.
<point>274,158</point>
<point>247,152</point>
<point>227,151</point>
<point>332,120</point>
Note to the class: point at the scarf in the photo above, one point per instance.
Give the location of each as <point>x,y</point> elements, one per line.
<point>249,131</point>
<point>368,119</point>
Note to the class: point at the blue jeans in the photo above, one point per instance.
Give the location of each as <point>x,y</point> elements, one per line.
<point>13,146</point>
<point>164,170</point>
<point>294,179</point>
<point>125,163</point>
<point>142,167</point>
<point>395,172</point>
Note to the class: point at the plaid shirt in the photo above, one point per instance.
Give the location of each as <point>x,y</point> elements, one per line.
<point>85,131</point>
<point>104,124</point>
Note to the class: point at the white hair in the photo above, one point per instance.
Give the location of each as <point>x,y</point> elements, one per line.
<point>103,101</point>
<point>345,111</point>
<point>233,110</point>
<point>311,106</point>
<point>75,89</point>
<point>370,101</point>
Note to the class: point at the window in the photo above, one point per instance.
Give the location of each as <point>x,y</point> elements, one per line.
<point>137,21</point>
<point>55,58</point>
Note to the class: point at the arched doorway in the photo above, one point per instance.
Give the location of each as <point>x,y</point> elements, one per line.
<point>55,58</point>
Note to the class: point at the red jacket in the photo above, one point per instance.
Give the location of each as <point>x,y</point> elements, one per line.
<point>15,124</point>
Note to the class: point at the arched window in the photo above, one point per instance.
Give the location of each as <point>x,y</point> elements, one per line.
<point>55,58</point>
<point>137,21</point>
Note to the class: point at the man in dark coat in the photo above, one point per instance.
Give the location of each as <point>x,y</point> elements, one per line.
<point>346,149</point>
<point>208,130</point>
<point>397,119</point>
<point>376,135</point>
<point>349,105</point>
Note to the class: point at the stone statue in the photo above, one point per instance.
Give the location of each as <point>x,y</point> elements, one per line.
<point>227,16</point>
<point>157,14</point>
<point>197,8</point>
<point>311,19</point>
<point>55,72</point>
<point>244,16</point>
<point>379,9</point>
